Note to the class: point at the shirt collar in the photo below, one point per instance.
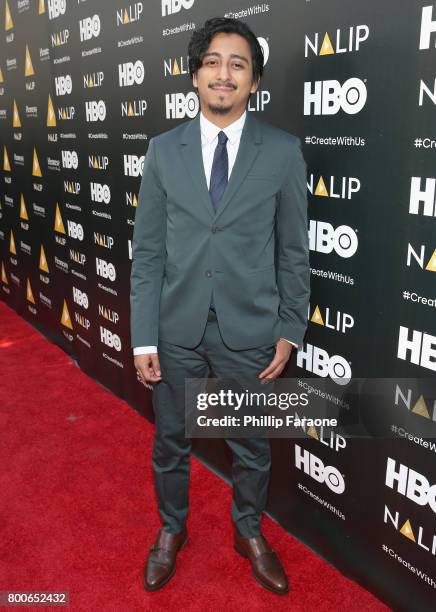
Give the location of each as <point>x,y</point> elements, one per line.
<point>209,130</point>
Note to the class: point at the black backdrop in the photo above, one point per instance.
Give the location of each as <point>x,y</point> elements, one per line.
<point>84,85</point>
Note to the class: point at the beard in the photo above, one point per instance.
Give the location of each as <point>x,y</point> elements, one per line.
<point>220,110</point>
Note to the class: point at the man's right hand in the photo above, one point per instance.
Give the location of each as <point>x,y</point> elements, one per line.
<point>148,367</point>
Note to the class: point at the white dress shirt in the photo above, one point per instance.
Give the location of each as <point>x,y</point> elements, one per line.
<point>209,141</point>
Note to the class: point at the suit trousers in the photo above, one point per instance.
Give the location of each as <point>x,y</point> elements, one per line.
<point>171,449</point>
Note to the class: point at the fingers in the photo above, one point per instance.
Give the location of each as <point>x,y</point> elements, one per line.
<point>275,373</point>
<point>272,366</point>
<point>277,365</point>
<point>274,370</point>
<point>155,366</point>
<point>148,368</point>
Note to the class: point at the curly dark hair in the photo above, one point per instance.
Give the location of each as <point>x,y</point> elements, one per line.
<point>201,39</point>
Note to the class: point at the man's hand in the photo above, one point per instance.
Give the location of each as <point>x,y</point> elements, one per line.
<point>148,367</point>
<point>275,368</point>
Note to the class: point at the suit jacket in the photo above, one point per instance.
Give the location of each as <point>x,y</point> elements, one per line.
<point>253,252</point>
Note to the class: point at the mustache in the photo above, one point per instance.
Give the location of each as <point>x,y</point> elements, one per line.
<point>213,85</point>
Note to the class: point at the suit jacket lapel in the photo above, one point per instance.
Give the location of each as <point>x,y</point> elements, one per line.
<point>248,150</point>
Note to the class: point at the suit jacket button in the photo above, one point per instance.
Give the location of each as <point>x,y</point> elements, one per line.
<point>208,273</point>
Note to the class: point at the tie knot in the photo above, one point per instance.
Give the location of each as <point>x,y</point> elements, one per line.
<point>222,138</point>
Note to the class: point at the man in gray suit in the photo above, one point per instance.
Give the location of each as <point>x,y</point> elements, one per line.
<point>219,280</point>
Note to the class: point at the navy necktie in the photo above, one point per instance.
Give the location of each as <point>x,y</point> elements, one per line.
<point>219,177</point>
<point>220,170</point>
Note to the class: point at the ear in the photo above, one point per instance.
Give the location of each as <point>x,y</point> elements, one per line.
<point>255,85</point>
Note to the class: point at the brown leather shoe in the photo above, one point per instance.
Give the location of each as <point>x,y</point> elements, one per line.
<point>161,560</point>
<point>266,566</point>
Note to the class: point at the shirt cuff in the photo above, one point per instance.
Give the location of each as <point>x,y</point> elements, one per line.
<point>143,350</point>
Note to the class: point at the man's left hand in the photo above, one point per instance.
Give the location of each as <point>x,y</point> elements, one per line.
<point>275,368</point>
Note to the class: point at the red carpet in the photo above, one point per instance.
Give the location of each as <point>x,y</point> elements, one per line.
<point>78,510</point>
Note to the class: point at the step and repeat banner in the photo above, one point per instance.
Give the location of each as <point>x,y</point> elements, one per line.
<point>84,85</point>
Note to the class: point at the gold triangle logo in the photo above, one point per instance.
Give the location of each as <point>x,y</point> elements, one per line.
<point>9,24</point>
<point>51,117</point>
<point>28,70</point>
<point>431,266</point>
<point>29,293</point>
<point>12,248</point>
<point>6,164</point>
<point>105,313</point>
<point>58,40</point>
<point>36,169</point>
<point>16,118</point>
<point>407,531</point>
<point>311,431</point>
<point>327,47</point>
<point>95,164</point>
<point>43,265</point>
<point>59,224</point>
<point>41,8</point>
<point>91,81</point>
<point>126,17</point>
<point>23,209</point>
<point>4,277</point>
<point>1,76</point>
<point>317,317</point>
<point>135,200</point>
<point>421,408</point>
<point>65,319</point>
<point>321,189</point>
<point>176,69</point>
<point>130,111</point>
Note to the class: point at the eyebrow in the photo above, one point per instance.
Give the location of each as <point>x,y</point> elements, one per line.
<point>241,57</point>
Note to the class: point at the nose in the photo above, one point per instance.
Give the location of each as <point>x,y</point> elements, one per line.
<point>223,72</point>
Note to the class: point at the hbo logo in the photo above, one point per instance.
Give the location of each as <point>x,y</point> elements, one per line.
<point>56,8</point>
<point>105,269</point>
<point>70,159</point>
<point>89,27</point>
<point>174,6</point>
<point>319,362</point>
<point>75,230</point>
<point>131,73</point>
<point>314,467</point>
<point>110,339</point>
<point>411,484</point>
<point>329,97</point>
<point>133,165</point>
<point>324,238</point>
<point>95,111</point>
<point>63,85</point>
<point>179,105</point>
<point>80,297</point>
<point>100,193</point>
